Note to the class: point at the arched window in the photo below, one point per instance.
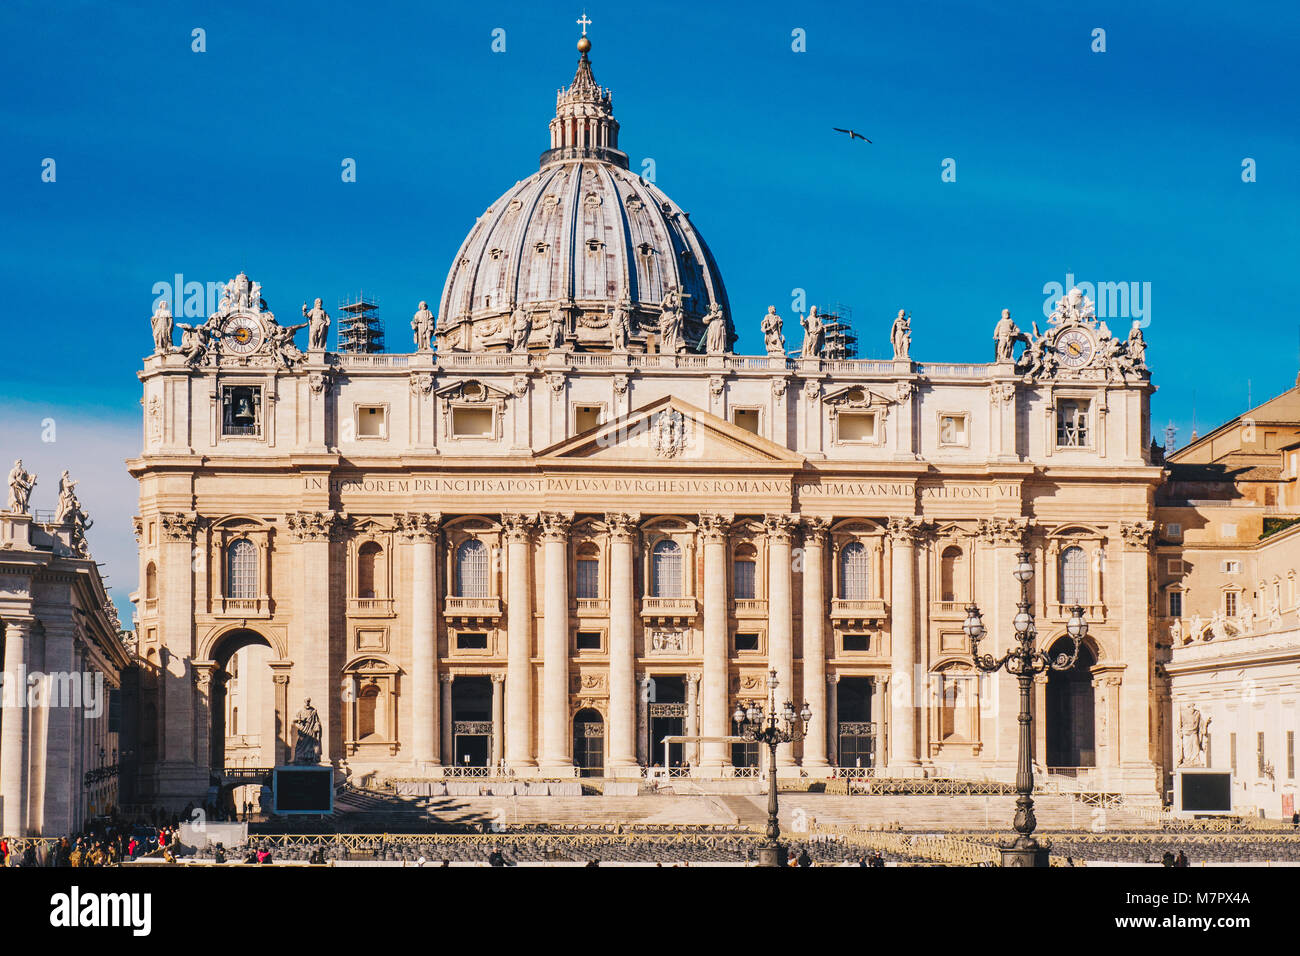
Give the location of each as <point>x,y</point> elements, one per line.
<point>370,570</point>
<point>666,569</point>
<point>241,569</point>
<point>854,572</point>
<point>151,582</point>
<point>367,711</point>
<point>950,567</point>
<point>743,577</point>
<point>1074,576</point>
<point>472,569</point>
<point>587,585</point>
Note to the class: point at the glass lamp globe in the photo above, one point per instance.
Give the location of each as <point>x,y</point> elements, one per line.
<point>1024,570</point>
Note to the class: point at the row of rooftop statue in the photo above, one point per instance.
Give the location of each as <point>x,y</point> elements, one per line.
<point>67,513</point>
<point>1041,355</point>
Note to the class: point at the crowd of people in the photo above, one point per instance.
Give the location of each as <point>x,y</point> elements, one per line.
<point>106,841</point>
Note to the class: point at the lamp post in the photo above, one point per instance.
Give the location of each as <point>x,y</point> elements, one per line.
<point>772,728</point>
<point>1025,661</point>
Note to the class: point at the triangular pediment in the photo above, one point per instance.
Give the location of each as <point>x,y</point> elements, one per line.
<point>670,432</point>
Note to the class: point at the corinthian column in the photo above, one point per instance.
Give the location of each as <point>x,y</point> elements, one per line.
<point>902,639</point>
<point>814,640</point>
<point>780,644</point>
<point>14,728</point>
<point>444,718</point>
<point>714,718</point>
<point>519,641</point>
<point>311,640</point>
<point>422,530</point>
<point>555,643</point>
<point>622,644</point>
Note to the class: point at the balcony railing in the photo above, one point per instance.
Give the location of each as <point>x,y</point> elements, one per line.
<point>370,607</point>
<point>243,607</point>
<point>592,606</point>
<point>669,607</point>
<point>472,608</point>
<point>750,607</point>
<point>857,610</point>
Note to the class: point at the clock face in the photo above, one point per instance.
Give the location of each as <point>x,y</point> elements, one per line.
<point>242,335</point>
<point>1074,348</point>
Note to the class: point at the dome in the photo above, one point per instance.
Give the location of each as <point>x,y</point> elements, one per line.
<point>566,244</point>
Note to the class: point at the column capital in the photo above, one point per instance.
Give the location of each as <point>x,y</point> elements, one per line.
<point>780,527</point>
<point>1004,532</point>
<point>815,528</point>
<point>909,529</point>
<point>446,678</point>
<point>179,525</point>
<point>418,526</point>
<point>832,679</point>
<point>311,525</point>
<point>694,678</point>
<point>1137,535</point>
<point>518,527</point>
<point>621,525</point>
<point>498,678</point>
<point>555,525</point>
<point>714,527</point>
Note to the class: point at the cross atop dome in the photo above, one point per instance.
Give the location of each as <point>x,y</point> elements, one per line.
<point>584,126</point>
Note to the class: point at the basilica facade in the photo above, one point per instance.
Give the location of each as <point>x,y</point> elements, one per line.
<point>571,530</point>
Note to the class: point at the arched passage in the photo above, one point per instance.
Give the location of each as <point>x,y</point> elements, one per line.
<point>244,729</point>
<point>1070,728</point>
<point>589,742</point>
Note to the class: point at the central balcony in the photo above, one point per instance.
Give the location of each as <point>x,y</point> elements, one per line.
<point>678,610</point>
<point>857,611</point>
<point>472,610</point>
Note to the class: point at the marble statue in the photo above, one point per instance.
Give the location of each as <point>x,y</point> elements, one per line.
<point>1175,632</point>
<point>715,330</point>
<point>1247,618</point>
<point>670,323</point>
<point>21,483</point>
<point>162,327</point>
<point>773,338</point>
<point>1193,729</point>
<point>1005,336</point>
<point>521,327</point>
<point>812,334</point>
<point>422,325</point>
<point>620,327</point>
<point>901,336</point>
<point>318,321</point>
<point>306,747</point>
<point>1137,348</point>
<point>555,331</point>
<point>67,498</point>
<point>283,347</point>
<point>194,342</point>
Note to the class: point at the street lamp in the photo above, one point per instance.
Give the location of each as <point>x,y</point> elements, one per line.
<point>1023,660</point>
<point>771,728</point>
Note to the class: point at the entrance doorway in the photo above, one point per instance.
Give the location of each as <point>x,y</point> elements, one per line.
<point>856,735</point>
<point>242,729</point>
<point>589,743</point>
<point>1070,728</point>
<point>666,718</point>
<point>471,721</point>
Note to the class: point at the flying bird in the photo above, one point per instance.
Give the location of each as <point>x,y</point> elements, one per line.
<point>853,134</point>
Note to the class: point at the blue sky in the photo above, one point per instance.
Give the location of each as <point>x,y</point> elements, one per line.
<point>1122,166</point>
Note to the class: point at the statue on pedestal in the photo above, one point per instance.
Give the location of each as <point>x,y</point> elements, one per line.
<point>812,334</point>
<point>773,338</point>
<point>1192,733</point>
<point>422,325</point>
<point>318,321</point>
<point>670,323</point>
<point>1137,348</point>
<point>555,331</point>
<point>67,498</point>
<point>900,336</point>
<point>162,327</point>
<point>521,327</point>
<point>620,323</point>
<point>282,344</point>
<point>21,483</point>
<point>307,745</point>
<point>194,343</point>
<point>715,330</point>
<point>1005,336</point>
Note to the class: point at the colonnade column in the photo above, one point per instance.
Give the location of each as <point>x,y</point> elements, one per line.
<point>422,529</point>
<point>642,718</point>
<point>14,732</point>
<point>556,741</point>
<point>832,719</point>
<point>498,718</point>
<point>518,531</point>
<point>622,643</point>
<point>312,644</point>
<point>902,639</point>
<point>444,716</point>
<point>814,642</point>
<point>693,718</point>
<point>880,717</point>
<point>780,643</point>
<point>713,709</point>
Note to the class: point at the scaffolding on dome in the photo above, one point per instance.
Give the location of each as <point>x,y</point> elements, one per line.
<point>360,328</point>
<point>839,341</point>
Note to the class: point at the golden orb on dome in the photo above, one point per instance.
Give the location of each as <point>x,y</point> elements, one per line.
<point>583,44</point>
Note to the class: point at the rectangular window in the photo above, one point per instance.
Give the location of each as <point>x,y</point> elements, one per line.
<point>857,642</point>
<point>1290,754</point>
<point>742,580</point>
<point>746,418</point>
<point>857,426</point>
<point>1174,529</point>
<point>746,642</point>
<point>471,642</point>
<point>589,640</point>
<point>1230,567</point>
<point>586,417</point>
<point>1230,603</point>
<point>1072,423</point>
<point>241,411</point>
<point>471,423</point>
<point>952,429</point>
<point>1175,603</point>
<point>372,421</point>
<point>588,583</point>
